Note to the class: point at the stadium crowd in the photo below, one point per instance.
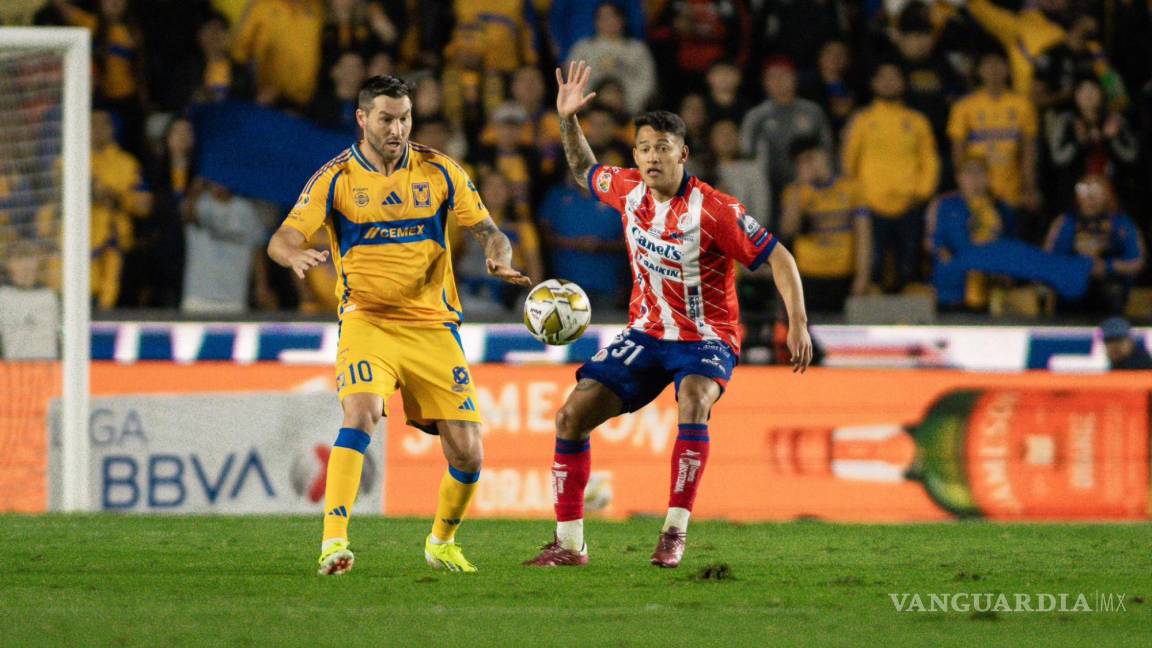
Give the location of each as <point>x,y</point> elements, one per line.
<point>970,149</point>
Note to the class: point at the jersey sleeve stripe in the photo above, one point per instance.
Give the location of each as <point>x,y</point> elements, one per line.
<point>760,258</point>
<point>339,159</point>
<point>591,175</point>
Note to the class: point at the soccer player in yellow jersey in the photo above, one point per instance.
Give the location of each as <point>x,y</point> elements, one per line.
<point>1000,126</point>
<point>385,204</point>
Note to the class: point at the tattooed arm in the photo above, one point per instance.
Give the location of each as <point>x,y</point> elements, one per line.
<point>498,250</point>
<point>570,99</point>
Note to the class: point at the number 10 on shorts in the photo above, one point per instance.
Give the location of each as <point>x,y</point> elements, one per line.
<point>360,372</point>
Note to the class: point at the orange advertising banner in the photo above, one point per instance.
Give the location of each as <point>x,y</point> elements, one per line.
<point>845,445</point>
<point>834,444</point>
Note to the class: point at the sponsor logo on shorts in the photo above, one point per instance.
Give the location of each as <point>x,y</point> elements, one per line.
<point>715,361</point>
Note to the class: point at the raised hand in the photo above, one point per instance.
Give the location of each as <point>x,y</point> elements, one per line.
<point>570,99</point>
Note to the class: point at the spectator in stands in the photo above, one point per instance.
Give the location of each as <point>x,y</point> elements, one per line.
<point>1025,35</point>
<point>1079,56</point>
<point>999,125</point>
<point>586,244</point>
<point>769,129</point>
<point>969,216</point>
<point>154,271</point>
<point>427,98</point>
<point>224,234</point>
<point>602,130</point>
<point>933,84</point>
<point>726,99</point>
<point>470,90</point>
<point>542,129</point>
<point>1097,229</point>
<point>280,39</point>
<point>29,312</point>
<point>1091,139</point>
<point>361,26</point>
<point>972,235</point>
<point>217,77</point>
<point>504,31</point>
<point>610,94</point>
<point>571,21</point>
<point>889,150</point>
<point>336,109</point>
<point>170,29</point>
<point>797,29</point>
<point>119,197</point>
<point>688,36</point>
<point>826,221</point>
<point>611,53</point>
<point>733,174</point>
<point>830,84</point>
<point>1123,351</point>
<point>116,44</point>
<point>380,63</point>
<point>435,132</point>
<point>694,111</point>
<point>507,155</point>
<point>478,288</point>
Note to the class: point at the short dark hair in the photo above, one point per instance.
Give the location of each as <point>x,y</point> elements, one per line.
<point>802,145</point>
<point>383,85</point>
<point>662,121</point>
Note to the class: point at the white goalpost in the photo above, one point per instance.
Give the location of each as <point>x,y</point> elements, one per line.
<point>72,46</point>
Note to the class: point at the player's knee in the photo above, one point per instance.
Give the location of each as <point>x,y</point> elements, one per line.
<point>567,423</point>
<point>468,459</point>
<point>695,409</point>
<point>361,418</point>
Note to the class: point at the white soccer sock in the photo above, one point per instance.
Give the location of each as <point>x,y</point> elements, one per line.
<point>437,541</point>
<point>677,517</point>
<point>329,542</point>
<point>571,534</point>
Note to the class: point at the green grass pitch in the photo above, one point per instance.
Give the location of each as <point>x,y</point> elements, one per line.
<point>102,580</point>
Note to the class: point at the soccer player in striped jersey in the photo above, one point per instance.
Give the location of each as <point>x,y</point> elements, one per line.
<point>385,203</point>
<point>683,238</point>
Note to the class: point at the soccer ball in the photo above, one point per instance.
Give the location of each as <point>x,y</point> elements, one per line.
<point>557,312</point>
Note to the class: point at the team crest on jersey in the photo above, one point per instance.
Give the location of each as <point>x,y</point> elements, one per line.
<point>421,195</point>
<point>361,197</point>
<point>604,181</point>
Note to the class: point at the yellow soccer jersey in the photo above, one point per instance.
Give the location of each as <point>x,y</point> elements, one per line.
<point>392,257</point>
<point>996,129</point>
<point>826,247</point>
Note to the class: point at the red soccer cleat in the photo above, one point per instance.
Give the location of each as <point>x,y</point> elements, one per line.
<point>553,555</point>
<point>670,549</point>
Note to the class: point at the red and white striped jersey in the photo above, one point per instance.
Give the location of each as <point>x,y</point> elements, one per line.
<point>682,253</point>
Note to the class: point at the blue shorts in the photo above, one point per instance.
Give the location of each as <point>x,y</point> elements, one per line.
<point>637,366</point>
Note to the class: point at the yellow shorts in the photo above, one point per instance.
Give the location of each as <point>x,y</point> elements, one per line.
<point>425,363</point>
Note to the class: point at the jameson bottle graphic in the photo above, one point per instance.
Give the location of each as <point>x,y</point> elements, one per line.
<point>1002,453</point>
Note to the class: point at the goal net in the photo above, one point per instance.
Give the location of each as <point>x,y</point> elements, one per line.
<point>44,223</point>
